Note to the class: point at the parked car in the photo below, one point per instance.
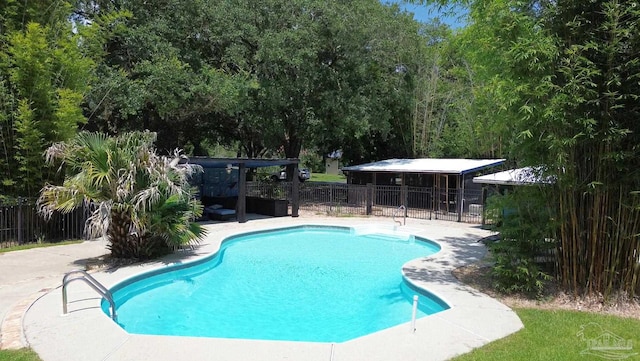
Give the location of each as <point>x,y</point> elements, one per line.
<point>303,175</point>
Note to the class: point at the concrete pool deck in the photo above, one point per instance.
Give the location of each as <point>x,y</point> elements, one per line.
<point>34,304</point>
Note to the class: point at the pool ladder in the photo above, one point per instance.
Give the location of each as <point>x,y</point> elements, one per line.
<point>404,214</point>
<point>81,275</point>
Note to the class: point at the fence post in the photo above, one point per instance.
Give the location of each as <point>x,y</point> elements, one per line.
<point>404,192</point>
<point>483,202</point>
<point>369,199</point>
<point>460,204</point>
<point>20,221</point>
<point>435,202</point>
<point>295,194</point>
<point>331,198</point>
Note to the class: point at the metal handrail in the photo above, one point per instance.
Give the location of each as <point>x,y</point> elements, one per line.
<point>403,208</point>
<point>93,283</point>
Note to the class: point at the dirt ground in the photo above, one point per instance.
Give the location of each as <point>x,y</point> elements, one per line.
<point>478,276</point>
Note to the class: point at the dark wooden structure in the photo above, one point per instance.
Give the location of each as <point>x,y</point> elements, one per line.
<point>227,178</point>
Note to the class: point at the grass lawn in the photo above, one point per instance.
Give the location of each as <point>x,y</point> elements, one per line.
<point>323,177</point>
<point>24,354</point>
<point>37,245</point>
<point>556,335</point>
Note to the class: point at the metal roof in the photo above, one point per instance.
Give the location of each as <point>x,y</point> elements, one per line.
<point>519,176</point>
<point>426,165</point>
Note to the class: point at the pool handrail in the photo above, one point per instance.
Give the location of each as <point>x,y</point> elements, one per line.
<point>93,283</point>
<point>401,208</point>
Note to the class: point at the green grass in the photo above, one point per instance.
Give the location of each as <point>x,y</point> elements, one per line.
<point>38,245</point>
<point>24,354</point>
<point>323,177</point>
<point>553,335</point>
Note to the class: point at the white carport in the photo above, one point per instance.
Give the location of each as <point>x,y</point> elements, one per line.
<point>518,176</point>
<point>449,179</point>
<point>498,183</point>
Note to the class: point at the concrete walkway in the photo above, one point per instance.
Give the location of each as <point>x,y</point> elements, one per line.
<point>27,274</point>
<point>27,279</point>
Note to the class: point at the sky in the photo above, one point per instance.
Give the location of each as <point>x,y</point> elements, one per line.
<point>425,13</point>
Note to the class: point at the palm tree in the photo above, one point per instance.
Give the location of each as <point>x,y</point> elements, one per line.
<point>142,203</point>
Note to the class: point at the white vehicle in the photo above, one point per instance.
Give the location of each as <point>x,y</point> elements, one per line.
<point>303,175</point>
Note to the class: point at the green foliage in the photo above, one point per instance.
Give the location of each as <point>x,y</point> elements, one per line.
<point>143,202</point>
<point>29,144</point>
<point>588,134</point>
<point>271,76</point>
<point>525,250</point>
<point>38,245</point>
<point>19,355</point>
<point>515,270</point>
<point>312,160</point>
<point>45,72</point>
<point>160,74</point>
<point>441,97</point>
<point>556,335</point>
<point>509,58</point>
<point>555,83</point>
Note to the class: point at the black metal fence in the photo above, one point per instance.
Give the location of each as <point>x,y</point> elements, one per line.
<point>378,200</point>
<point>20,223</point>
<point>269,190</point>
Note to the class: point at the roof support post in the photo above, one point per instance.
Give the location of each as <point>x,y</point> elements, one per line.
<point>241,205</point>
<point>369,195</point>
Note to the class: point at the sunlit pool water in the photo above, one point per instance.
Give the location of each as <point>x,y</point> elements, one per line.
<point>306,283</point>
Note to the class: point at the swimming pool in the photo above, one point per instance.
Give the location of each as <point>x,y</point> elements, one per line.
<point>305,283</point>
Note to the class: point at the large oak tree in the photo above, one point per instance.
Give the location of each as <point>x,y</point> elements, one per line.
<point>269,75</point>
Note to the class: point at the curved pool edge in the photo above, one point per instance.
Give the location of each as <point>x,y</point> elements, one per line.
<point>168,266</point>
<point>474,319</point>
<point>159,278</point>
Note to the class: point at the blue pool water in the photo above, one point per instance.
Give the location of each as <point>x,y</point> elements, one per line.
<point>323,284</point>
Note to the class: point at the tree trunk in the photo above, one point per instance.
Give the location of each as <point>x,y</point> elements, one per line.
<point>118,234</point>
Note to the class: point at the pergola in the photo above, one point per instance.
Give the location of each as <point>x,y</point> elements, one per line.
<point>242,165</point>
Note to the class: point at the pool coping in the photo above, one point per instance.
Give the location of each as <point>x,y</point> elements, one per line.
<point>473,320</point>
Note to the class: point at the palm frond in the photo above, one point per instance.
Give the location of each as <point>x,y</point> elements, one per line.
<point>58,198</point>
<point>98,223</point>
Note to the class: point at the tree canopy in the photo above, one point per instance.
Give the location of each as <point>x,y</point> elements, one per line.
<point>270,75</point>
